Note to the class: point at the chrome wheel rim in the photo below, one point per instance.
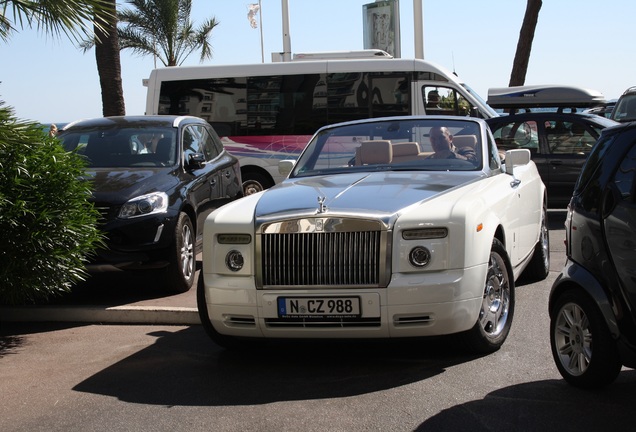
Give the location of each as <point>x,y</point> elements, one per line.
<point>187,252</point>
<point>573,339</point>
<point>251,187</point>
<point>495,306</point>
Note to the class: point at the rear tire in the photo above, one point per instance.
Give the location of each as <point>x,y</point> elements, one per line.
<point>498,305</point>
<point>582,346</point>
<point>182,266</point>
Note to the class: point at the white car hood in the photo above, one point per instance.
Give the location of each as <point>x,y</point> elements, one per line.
<point>380,193</point>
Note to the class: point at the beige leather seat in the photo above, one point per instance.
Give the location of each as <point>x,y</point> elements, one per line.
<point>374,152</point>
<point>405,151</point>
<point>465,141</point>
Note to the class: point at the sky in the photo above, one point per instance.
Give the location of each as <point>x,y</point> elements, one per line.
<point>586,43</point>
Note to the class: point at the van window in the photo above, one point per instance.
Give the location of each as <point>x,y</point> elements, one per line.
<point>441,100</point>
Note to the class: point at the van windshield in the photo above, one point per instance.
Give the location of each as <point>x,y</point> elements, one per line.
<point>484,107</point>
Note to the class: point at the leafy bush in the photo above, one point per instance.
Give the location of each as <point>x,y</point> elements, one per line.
<point>47,225</point>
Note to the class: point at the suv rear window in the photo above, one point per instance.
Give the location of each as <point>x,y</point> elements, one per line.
<point>625,109</point>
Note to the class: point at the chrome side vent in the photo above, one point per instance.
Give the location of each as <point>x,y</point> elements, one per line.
<point>239,321</point>
<point>412,320</point>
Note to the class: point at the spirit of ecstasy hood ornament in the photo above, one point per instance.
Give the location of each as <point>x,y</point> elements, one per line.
<point>321,204</point>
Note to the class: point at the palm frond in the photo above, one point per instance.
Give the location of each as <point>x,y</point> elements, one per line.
<point>72,18</point>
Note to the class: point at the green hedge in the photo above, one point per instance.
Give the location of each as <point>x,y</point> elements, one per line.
<point>47,225</point>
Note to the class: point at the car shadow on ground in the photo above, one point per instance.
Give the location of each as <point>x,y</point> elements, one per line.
<point>196,372</point>
<point>550,405</point>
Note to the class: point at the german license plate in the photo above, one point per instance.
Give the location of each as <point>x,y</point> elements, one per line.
<point>318,307</point>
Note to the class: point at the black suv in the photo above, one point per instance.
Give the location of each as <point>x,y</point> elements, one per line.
<point>559,143</point>
<point>155,179</point>
<point>625,108</point>
<point>592,304</point>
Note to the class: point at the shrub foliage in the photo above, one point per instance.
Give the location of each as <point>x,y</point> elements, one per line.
<point>48,227</point>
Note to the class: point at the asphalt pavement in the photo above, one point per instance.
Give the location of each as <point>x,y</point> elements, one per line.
<point>136,297</point>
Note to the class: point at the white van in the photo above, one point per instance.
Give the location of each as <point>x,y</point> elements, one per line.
<point>267,112</point>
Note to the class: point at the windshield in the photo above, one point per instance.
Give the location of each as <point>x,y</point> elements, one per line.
<point>413,144</point>
<point>123,147</point>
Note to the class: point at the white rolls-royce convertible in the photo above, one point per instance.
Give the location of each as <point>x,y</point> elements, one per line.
<point>384,228</point>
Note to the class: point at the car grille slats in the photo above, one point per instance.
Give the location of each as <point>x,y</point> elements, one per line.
<point>321,259</point>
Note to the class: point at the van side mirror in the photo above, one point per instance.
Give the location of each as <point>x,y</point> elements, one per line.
<point>516,157</point>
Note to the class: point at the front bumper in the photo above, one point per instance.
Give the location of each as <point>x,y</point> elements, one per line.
<point>413,305</point>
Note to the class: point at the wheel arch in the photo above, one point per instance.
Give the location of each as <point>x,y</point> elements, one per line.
<point>575,277</point>
<point>192,214</point>
<point>248,169</point>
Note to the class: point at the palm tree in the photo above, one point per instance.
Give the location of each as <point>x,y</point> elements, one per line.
<point>524,46</point>
<point>109,65</point>
<point>162,28</point>
<point>72,18</point>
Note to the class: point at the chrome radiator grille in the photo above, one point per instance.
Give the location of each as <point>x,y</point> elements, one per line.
<point>321,259</point>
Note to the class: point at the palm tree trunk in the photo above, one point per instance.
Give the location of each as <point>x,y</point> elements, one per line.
<point>524,46</point>
<point>109,67</point>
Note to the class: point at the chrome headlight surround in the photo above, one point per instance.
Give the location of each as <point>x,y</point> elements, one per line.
<point>233,251</point>
<point>421,255</point>
<point>234,260</point>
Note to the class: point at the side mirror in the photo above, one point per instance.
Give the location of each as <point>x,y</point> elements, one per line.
<point>195,160</point>
<point>286,166</point>
<point>516,157</point>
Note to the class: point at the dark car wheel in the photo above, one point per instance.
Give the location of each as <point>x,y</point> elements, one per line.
<point>583,348</point>
<point>254,182</point>
<point>497,309</point>
<point>539,265</point>
<point>182,265</point>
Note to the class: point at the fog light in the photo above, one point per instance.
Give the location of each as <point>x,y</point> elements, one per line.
<point>234,260</point>
<point>419,256</point>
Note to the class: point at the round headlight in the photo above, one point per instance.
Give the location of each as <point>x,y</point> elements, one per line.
<point>234,260</point>
<point>419,256</point>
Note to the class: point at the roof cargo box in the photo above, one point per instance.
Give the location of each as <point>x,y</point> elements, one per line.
<point>545,96</point>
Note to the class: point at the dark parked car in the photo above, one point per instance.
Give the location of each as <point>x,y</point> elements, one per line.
<point>593,301</point>
<point>625,108</point>
<point>559,143</point>
<point>155,180</point>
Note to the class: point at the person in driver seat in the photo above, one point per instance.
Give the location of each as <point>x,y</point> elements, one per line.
<point>443,147</point>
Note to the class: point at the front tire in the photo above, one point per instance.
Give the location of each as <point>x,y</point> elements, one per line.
<point>583,348</point>
<point>254,182</point>
<point>202,306</point>
<point>182,266</point>
<point>498,305</point>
